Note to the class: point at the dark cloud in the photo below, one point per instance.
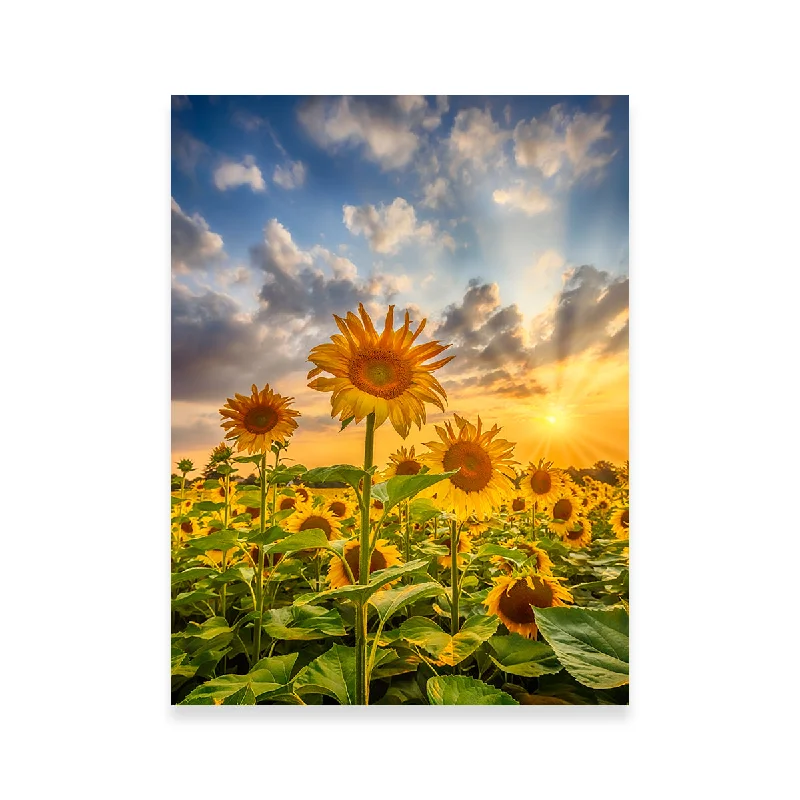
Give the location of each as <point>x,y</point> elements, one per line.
<point>194,244</point>
<point>590,300</point>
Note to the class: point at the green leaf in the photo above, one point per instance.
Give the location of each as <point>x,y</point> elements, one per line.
<point>192,574</point>
<point>256,459</point>
<point>219,540</point>
<point>421,509</point>
<point>524,657</point>
<point>404,487</point>
<point>270,535</point>
<point>391,601</point>
<point>345,423</point>
<point>208,505</point>
<point>592,645</point>
<point>303,623</point>
<point>232,689</point>
<point>304,540</point>
<point>459,690</point>
<point>515,556</point>
<point>210,629</point>
<point>340,472</point>
<point>195,596</point>
<point>447,649</point>
<point>277,669</point>
<point>332,674</point>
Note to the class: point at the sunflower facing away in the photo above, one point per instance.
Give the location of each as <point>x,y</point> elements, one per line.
<point>541,482</point>
<point>257,421</point>
<point>620,520</point>
<point>512,600</point>
<point>384,374</point>
<point>383,556</point>
<point>402,462</point>
<point>485,473</point>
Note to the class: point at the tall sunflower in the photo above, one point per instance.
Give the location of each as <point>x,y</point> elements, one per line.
<point>542,482</point>
<point>620,521</point>
<point>402,462</point>
<point>512,599</point>
<point>257,421</point>
<point>380,373</point>
<point>485,472</point>
<point>383,556</point>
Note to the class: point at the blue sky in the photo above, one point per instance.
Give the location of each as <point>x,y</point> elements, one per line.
<point>503,220</point>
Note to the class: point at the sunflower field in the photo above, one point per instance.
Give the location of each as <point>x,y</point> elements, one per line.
<point>453,576</point>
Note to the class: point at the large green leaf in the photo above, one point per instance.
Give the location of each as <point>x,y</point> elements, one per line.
<point>332,674</point>
<point>447,649</point>
<point>459,690</point>
<point>271,534</point>
<point>219,540</point>
<point>524,657</point>
<point>592,645</point>
<point>303,623</point>
<point>393,600</point>
<point>192,574</point>
<point>404,487</point>
<point>232,689</point>
<point>313,538</point>
<point>421,509</point>
<point>516,556</point>
<point>346,473</point>
<point>207,505</point>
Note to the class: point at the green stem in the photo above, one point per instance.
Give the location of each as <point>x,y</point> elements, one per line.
<point>454,577</point>
<point>362,689</point>
<point>226,482</point>
<point>407,552</point>
<point>262,468</point>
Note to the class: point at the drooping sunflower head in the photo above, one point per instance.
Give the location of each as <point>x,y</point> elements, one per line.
<point>513,600</point>
<point>620,521</point>
<point>402,462</point>
<point>185,465</point>
<point>384,555</point>
<point>577,534</point>
<point>563,511</point>
<point>384,374</point>
<point>531,550</point>
<point>222,452</point>
<point>257,421</point>
<point>485,468</point>
<point>542,482</point>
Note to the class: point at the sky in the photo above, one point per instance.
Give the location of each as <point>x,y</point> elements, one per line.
<point>503,221</point>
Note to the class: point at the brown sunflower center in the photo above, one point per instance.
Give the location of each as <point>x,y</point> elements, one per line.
<point>317,522</point>
<point>338,508</point>
<point>254,513</point>
<point>473,463</point>
<point>562,510</point>
<point>624,520</point>
<point>516,602</point>
<point>576,534</point>
<point>377,505</point>
<point>187,527</point>
<point>541,482</point>
<point>287,502</point>
<point>377,561</point>
<point>408,468</point>
<point>302,492</point>
<point>381,373</point>
<point>260,419</point>
<point>518,504</point>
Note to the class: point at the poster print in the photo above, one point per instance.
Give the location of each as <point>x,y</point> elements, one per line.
<point>399,400</point>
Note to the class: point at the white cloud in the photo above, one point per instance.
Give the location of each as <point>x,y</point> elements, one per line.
<point>231,174</point>
<point>475,139</point>
<point>194,244</point>
<point>531,200</point>
<point>291,176</point>
<point>557,140</point>
<point>387,228</point>
<point>386,128</point>
<point>436,193</point>
<point>280,253</point>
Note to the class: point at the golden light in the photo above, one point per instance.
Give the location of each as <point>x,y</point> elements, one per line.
<point>552,420</point>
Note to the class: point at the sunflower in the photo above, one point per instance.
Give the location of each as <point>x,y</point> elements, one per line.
<point>257,421</point>
<point>381,374</point>
<point>577,534</point>
<point>543,562</point>
<point>620,520</point>
<point>542,483</point>
<point>252,554</point>
<point>383,556</point>
<point>512,600</point>
<point>402,462</point>
<point>186,530</point>
<point>341,508</point>
<point>213,558</point>
<point>305,518</point>
<point>485,474</point>
<point>285,502</point>
<point>563,511</point>
<point>185,505</point>
<point>518,505</point>
<point>218,494</point>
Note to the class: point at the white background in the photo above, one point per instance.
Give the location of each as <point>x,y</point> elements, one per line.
<point>714,264</point>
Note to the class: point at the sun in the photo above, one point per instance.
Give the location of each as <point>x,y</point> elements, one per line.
<point>552,420</point>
